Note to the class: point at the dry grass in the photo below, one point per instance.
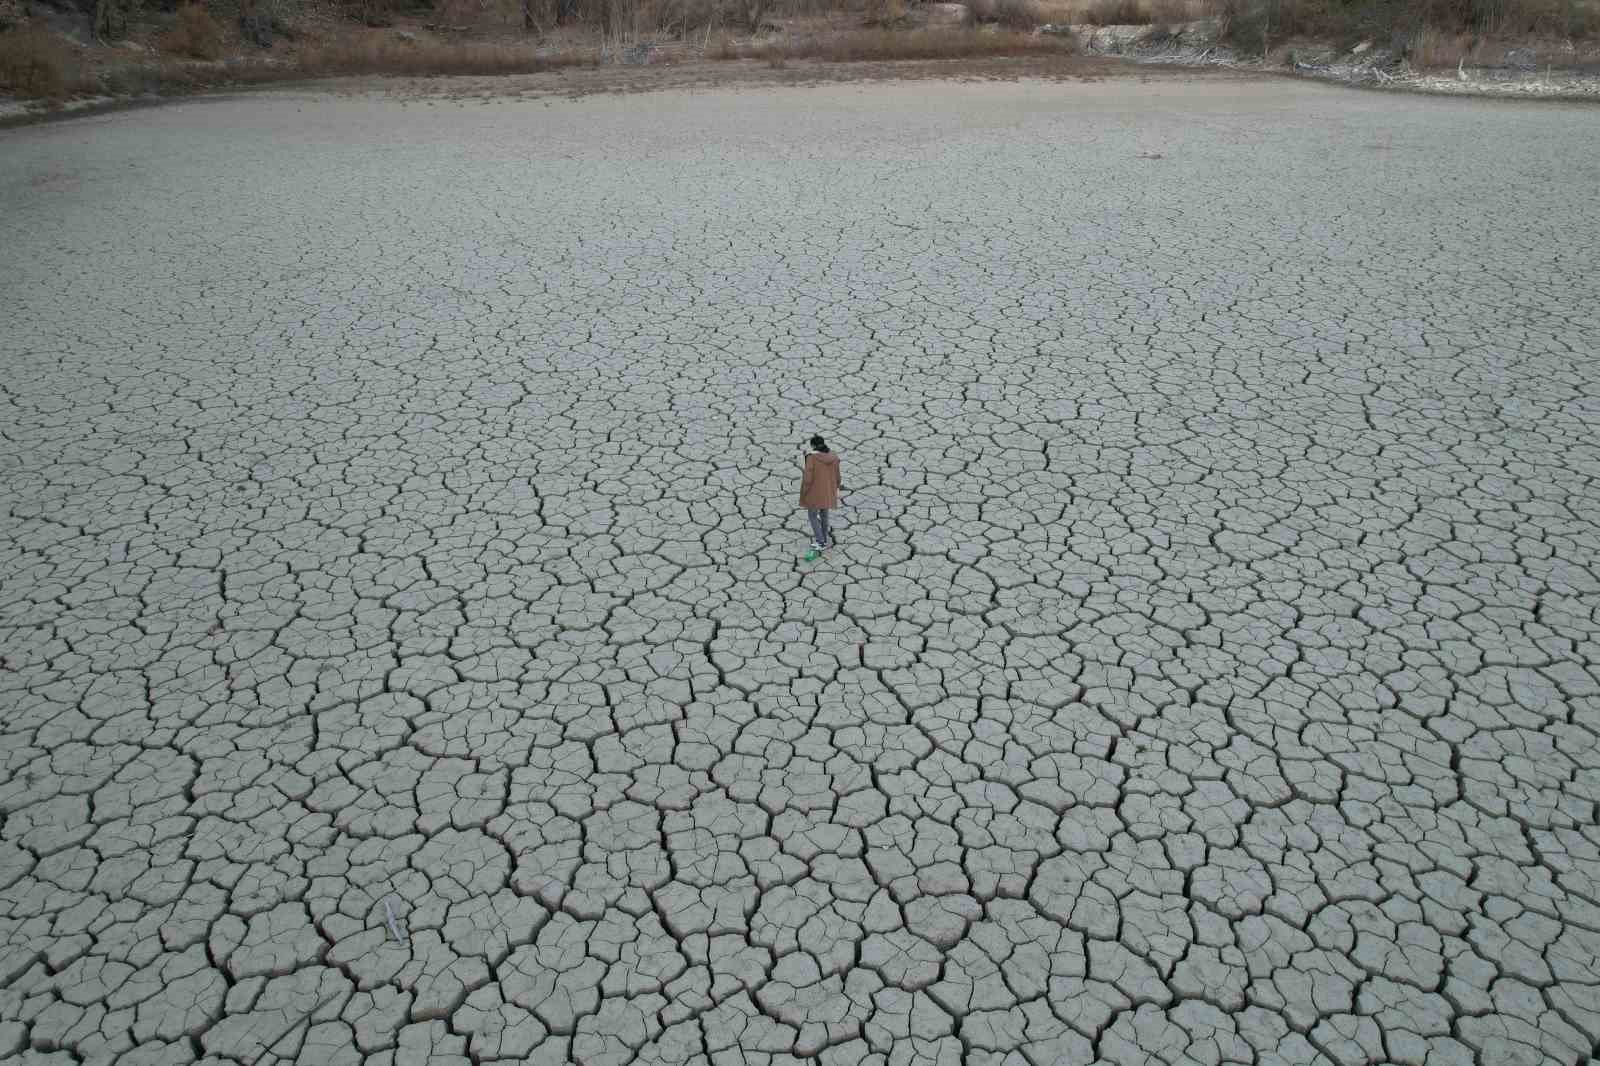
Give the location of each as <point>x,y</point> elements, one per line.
<point>1433,50</point>
<point>1115,13</point>
<point>358,55</point>
<point>35,63</point>
<point>1561,18</point>
<point>1427,31</point>
<point>1254,26</point>
<point>884,13</point>
<point>626,18</point>
<point>1012,14</point>
<point>1141,12</point>
<point>194,34</point>
<point>887,45</point>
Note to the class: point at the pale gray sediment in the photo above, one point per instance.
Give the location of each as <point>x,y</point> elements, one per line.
<point>399,530</point>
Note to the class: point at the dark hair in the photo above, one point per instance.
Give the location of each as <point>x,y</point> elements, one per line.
<point>819,444</point>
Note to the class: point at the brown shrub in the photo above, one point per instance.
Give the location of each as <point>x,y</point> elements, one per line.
<point>195,34</point>
<point>36,63</point>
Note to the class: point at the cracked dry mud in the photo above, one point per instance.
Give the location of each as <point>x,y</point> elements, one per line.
<point>399,519</point>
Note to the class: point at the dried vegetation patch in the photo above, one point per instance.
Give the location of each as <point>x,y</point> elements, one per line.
<point>139,47</point>
<point>887,45</point>
<point>36,63</point>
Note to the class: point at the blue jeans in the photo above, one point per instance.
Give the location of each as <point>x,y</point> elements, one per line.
<point>821,531</point>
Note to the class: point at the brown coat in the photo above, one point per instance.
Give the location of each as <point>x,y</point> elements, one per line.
<point>820,484</point>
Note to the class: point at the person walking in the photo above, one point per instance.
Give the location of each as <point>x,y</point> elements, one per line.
<point>819,493</point>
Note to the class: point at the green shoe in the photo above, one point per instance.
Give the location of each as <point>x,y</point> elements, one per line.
<point>813,554</point>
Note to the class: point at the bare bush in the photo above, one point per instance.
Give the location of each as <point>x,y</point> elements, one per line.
<point>680,18</point>
<point>35,63</point>
<point>195,34</point>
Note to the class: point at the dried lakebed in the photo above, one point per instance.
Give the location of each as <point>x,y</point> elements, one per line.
<point>408,656</point>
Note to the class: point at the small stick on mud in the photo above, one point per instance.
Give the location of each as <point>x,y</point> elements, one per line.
<point>394,926</point>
